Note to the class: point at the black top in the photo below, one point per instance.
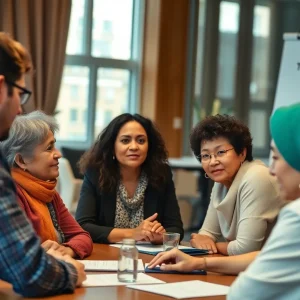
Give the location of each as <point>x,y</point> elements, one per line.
<point>96,209</point>
<point>73,156</point>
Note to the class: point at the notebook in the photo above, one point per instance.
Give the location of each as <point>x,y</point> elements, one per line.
<point>106,265</point>
<point>155,249</point>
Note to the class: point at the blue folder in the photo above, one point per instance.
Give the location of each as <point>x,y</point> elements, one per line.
<point>158,270</point>
<point>189,251</point>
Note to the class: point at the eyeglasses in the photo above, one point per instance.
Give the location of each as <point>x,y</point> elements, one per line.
<point>24,96</point>
<point>207,157</point>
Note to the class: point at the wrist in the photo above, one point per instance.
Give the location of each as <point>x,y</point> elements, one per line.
<point>200,263</point>
<point>69,251</point>
<point>129,234</point>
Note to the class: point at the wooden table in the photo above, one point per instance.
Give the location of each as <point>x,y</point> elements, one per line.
<point>106,252</point>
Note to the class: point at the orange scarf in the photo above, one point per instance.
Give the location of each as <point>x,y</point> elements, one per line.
<point>38,193</point>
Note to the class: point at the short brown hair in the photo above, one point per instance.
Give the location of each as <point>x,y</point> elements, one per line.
<point>14,58</point>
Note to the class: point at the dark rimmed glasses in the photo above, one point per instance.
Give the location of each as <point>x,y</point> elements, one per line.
<point>207,157</point>
<point>24,96</point>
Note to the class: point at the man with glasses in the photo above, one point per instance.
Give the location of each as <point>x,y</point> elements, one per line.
<point>24,94</point>
<point>23,262</point>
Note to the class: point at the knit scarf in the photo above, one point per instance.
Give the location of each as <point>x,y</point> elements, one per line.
<point>130,211</point>
<point>38,193</point>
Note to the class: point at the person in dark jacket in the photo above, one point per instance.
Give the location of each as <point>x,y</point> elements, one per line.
<point>128,191</point>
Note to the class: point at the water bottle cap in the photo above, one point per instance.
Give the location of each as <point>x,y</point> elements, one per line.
<point>129,241</point>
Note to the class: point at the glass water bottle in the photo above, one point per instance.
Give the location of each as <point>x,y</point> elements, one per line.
<point>128,261</point>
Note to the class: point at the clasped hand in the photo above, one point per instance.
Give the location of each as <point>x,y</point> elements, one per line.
<point>149,230</point>
<point>202,241</point>
<point>47,245</point>
<point>54,249</point>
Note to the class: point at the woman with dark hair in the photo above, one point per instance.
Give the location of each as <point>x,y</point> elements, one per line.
<point>128,191</point>
<point>245,198</point>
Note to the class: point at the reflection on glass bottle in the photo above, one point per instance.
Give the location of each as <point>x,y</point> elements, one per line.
<point>128,261</point>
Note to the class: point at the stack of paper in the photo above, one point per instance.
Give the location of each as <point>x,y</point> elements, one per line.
<point>112,280</point>
<point>155,249</point>
<point>106,265</point>
<point>185,289</point>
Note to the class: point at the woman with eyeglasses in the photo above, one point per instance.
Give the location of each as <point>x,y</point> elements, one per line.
<point>245,198</point>
<point>273,272</point>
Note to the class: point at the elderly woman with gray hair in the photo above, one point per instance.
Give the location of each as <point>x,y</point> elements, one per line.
<point>31,153</point>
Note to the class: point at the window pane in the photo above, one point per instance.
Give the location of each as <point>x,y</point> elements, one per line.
<point>112,26</point>
<point>258,124</point>
<point>199,62</point>
<point>261,50</point>
<point>228,28</point>
<point>76,29</point>
<point>72,107</point>
<point>112,96</point>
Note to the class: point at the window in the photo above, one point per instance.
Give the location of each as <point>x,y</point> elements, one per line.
<point>109,95</point>
<point>76,32</point>
<point>84,116</point>
<point>228,31</point>
<point>226,43</point>
<point>73,115</point>
<point>101,74</point>
<point>261,49</point>
<point>199,66</point>
<point>260,81</point>
<point>107,116</point>
<point>107,26</point>
<point>74,92</point>
<point>113,83</point>
<point>73,76</point>
<point>112,27</point>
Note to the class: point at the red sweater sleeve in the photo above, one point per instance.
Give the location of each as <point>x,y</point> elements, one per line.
<point>75,237</point>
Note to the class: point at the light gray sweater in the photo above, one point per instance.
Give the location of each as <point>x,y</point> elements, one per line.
<point>245,213</point>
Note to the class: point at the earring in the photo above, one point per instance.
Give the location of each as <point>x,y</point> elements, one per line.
<point>24,169</point>
<point>114,157</point>
<point>299,186</point>
<point>206,176</point>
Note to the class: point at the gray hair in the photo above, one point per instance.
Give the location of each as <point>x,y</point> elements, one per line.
<point>26,133</point>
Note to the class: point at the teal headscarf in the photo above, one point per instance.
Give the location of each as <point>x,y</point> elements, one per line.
<point>285,130</point>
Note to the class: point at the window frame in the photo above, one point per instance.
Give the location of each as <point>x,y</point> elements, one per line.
<point>133,65</point>
<point>250,104</point>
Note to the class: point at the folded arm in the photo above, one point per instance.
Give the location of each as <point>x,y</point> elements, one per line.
<point>23,263</point>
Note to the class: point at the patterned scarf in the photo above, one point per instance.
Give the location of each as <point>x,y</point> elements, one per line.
<point>130,211</point>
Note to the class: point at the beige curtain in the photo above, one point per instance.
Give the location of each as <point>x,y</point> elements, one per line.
<point>42,26</point>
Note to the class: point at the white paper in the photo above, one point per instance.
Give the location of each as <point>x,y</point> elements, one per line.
<point>112,280</point>
<point>185,289</point>
<point>151,248</point>
<point>106,265</point>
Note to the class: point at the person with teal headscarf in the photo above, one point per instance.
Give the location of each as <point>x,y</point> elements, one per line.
<point>275,270</point>
<point>275,273</point>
